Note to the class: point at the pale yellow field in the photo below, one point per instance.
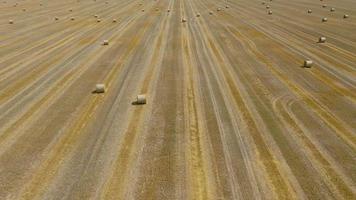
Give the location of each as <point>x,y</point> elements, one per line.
<point>231,112</point>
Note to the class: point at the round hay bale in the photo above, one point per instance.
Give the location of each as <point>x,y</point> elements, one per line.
<point>227,6</point>
<point>210,12</point>
<point>308,63</point>
<point>100,88</point>
<point>324,19</point>
<point>11,21</point>
<point>267,7</point>
<point>106,42</point>
<point>184,20</point>
<point>143,10</point>
<point>72,18</point>
<point>322,39</point>
<point>98,20</point>
<point>310,11</point>
<point>332,9</point>
<point>114,20</point>
<point>218,9</point>
<point>198,14</point>
<point>96,16</point>
<point>324,6</point>
<point>56,18</point>
<point>141,99</point>
<point>270,12</point>
<point>346,16</point>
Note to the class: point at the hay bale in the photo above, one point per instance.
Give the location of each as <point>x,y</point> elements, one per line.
<point>324,6</point>
<point>310,11</point>
<point>106,42</point>
<point>227,6</point>
<point>168,10</point>
<point>324,19</point>
<point>114,20</point>
<point>100,88</point>
<point>270,12</point>
<point>346,16</point>
<point>184,20</point>
<point>210,12</point>
<point>332,9</point>
<point>267,7</point>
<point>56,18</point>
<point>98,20</point>
<point>308,63</point>
<point>322,39</point>
<point>11,21</point>
<point>143,10</point>
<point>141,99</point>
<point>198,14</point>
<point>72,18</point>
<point>96,16</point>
<point>218,9</point>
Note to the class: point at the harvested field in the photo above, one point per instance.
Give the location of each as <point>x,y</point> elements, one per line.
<point>229,112</point>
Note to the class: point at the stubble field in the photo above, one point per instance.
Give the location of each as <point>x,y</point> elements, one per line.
<point>231,112</point>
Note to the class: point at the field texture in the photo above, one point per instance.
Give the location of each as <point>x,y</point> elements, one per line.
<point>231,112</point>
